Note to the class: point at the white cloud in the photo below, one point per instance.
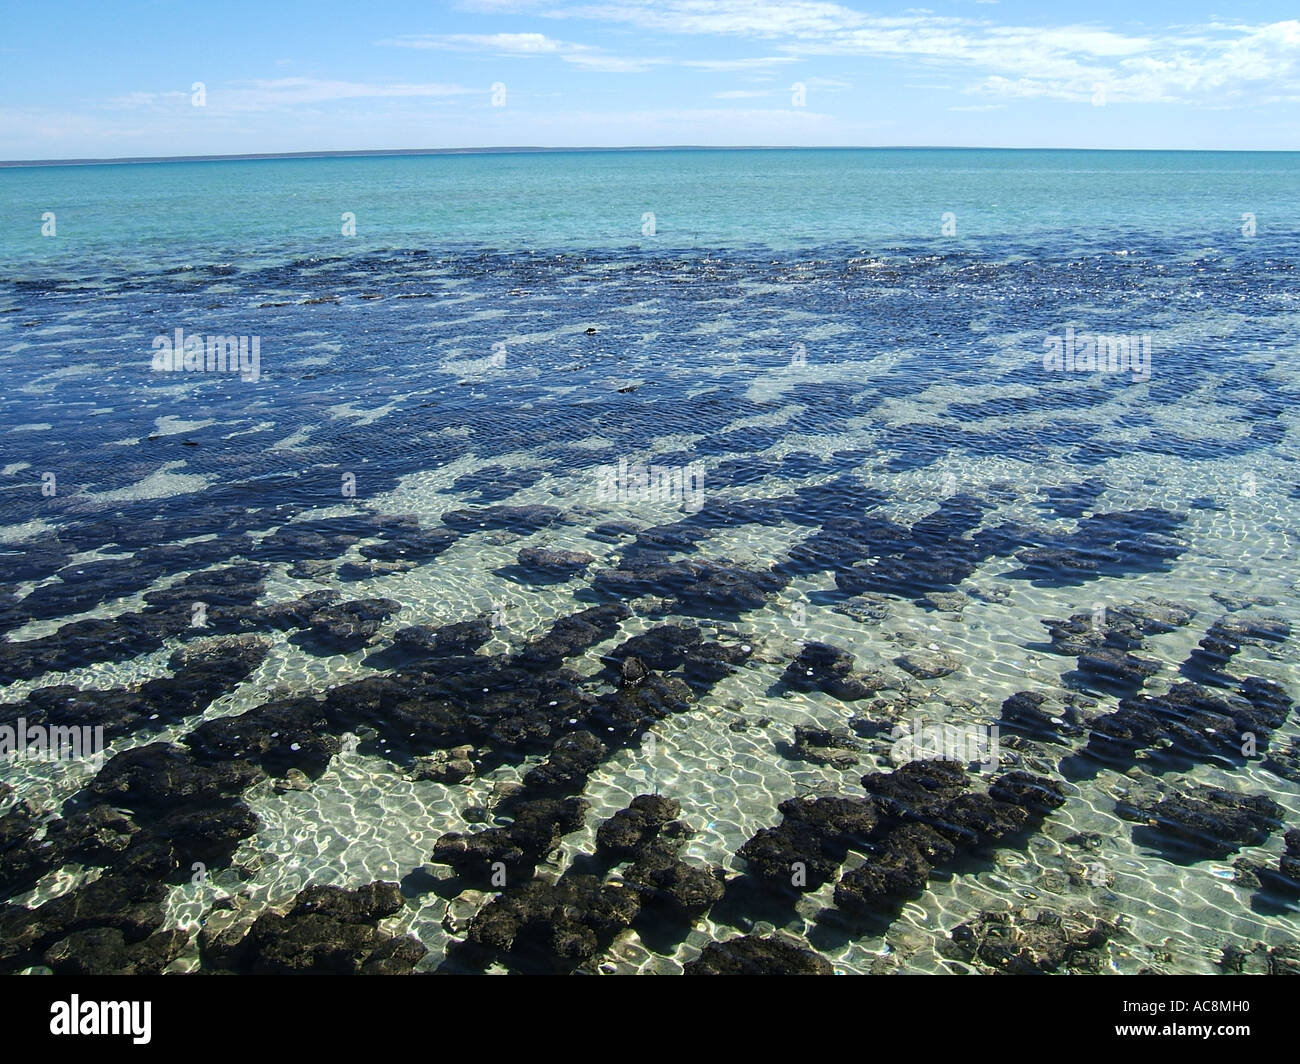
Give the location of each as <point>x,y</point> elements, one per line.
<point>271,94</point>
<point>724,65</point>
<point>1200,64</point>
<point>504,43</point>
<point>523,45</point>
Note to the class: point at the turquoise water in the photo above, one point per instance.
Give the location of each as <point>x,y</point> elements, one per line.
<point>336,614</point>
<point>256,211</point>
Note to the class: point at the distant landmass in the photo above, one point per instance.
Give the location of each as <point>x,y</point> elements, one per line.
<point>524,148</point>
<point>386,151</point>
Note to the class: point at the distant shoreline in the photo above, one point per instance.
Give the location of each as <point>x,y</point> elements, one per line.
<point>533,150</point>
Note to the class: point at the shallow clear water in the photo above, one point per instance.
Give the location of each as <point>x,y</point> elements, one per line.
<point>500,331</point>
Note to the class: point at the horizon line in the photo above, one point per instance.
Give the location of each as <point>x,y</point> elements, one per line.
<point>125,160</point>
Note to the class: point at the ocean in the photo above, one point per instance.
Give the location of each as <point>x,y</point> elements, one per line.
<point>648,561</point>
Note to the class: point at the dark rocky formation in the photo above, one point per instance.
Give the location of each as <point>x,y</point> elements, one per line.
<point>446,766</point>
<point>1073,500</point>
<point>1205,821</point>
<point>577,632</point>
<point>876,555</point>
<point>758,955</point>
<point>161,776</point>
<point>811,842</point>
<point>278,736</point>
<point>338,629</point>
<point>866,609</point>
<point>647,834</point>
<point>1122,627</point>
<point>420,545</point>
<point>1050,718</point>
<point>1208,663</point>
<point>1034,942</point>
<point>823,667</point>
<point>1190,724</point>
<point>719,588</point>
<point>521,519</point>
<point>85,585</point>
<point>926,816</point>
<point>571,920</point>
<point>327,931</point>
<point>113,917</point>
<point>423,646</point>
<point>1284,761</point>
<point>1104,643</point>
<point>572,759</point>
<point>927,664</point>
<point>671,646</point>
<point>551,560</point>
<point>1106,544</point>
<point>538,826</point>
<point>1261,960</point>
<point>106,951</point>
<point>820,746</point>
<point>626,834</point>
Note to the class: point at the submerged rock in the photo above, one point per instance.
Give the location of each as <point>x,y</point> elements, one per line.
<point>573,919</point>
<point>1190,723</point>
<point>1129,541</point>
<point>711,588</point>
<point>865,609</point>
<point>820,746</point>
<point>758,955</point>
<point>672,646</point>
<point>664,880</point>
<point>550,560</point>
<point>1209,820</point>
<point>1028,942</point>
<point>278,736</point>
<point>345,627</point>
<point>927,664</point>
<point>445,766</point>
<point>927,816</point>
<point>538,826</point>
<point>128,904</point>
<point>105,951</point>
<point>327,931</point>
<point>823,667</point>
<point>448,640</point>
<point>626,834</point>
<point>418,545</point>
<point>577,632</point>
<point>504,518</point>
<point>1224,640</point>
<point>571,761</point>
<point>1039,716</point>
<point>811,842</point>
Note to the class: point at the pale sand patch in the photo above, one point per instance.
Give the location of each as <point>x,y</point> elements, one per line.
<point>261,426</point>
<point>38,526</point>
<point>363,417</point>
<point>294,440</point>
<point>161,484</point>
<point>170,425</point>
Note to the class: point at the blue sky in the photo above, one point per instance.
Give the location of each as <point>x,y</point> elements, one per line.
<point>95,79</point>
